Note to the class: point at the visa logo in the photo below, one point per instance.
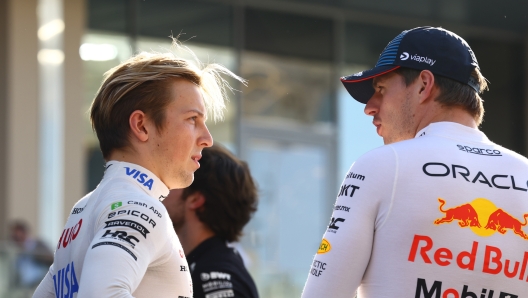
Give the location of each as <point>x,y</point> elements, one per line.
<point>140,177</point>
<point>65,282</point>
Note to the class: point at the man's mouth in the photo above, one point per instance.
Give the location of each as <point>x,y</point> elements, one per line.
<point>196,158</point>
<point>378,127</point>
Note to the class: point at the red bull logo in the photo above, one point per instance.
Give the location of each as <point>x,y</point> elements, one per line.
<point>483,218</point>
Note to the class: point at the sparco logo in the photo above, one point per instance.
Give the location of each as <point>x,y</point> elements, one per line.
<point>479,151</point>
<point>419,59</point>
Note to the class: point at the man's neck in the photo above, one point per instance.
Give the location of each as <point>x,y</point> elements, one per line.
<point>131,156</point>
<point>192,234</point>
<point>438,113</point>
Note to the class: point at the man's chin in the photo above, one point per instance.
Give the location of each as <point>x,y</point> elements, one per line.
<point>182,180</point>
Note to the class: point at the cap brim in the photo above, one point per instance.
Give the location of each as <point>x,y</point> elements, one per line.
<point>359,85</point>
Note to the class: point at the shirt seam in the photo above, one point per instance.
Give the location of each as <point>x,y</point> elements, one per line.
<point>391,204</point>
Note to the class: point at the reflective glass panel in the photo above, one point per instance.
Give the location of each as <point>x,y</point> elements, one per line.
<point>285,232</point>
<point>288,88</point>
<point>99,51</point>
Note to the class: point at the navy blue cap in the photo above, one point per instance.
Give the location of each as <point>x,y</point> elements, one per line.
<point>438,50</point>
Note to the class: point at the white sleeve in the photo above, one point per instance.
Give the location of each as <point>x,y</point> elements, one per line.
<point>118,256</point>
<point>45,288</point>
<point>362,204</point>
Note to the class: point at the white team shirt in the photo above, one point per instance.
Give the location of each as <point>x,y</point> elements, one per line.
<point>441,215</point>
<point>119,242</point>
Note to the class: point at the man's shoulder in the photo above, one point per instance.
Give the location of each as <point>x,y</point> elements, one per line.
<point>217,257</point>
<point>223,271</point>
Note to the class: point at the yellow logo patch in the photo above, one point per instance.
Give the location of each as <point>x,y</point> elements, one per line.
<point>324,247</point>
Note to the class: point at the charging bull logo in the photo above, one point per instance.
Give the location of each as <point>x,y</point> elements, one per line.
<point>500,221</point>
<point>465,214</point>
<point>483,218</point>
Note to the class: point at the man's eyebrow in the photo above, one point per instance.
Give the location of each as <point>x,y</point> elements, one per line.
<point>195,111</point>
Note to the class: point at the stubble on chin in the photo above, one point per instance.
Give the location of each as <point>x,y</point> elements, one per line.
<point>185,178</point>
<point>403,121</point>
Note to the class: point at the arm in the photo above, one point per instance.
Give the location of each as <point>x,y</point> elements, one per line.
<point>45,288</point>
<point>363,199</point>
<point>126,241</point>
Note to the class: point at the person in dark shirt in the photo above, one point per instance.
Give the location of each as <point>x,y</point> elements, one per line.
<point>207,215</point>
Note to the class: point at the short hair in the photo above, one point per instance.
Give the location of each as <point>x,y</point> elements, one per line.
<point>143,83</point>
<point>454,93</point>
<point>229,190</point>
<point>20,225</point>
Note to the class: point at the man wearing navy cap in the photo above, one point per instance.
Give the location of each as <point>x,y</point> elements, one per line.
<point>440,210</point>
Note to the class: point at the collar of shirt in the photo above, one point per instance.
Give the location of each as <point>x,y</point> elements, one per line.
<point>139,176</point>
<point>211,243</point>
<point>453,130</point>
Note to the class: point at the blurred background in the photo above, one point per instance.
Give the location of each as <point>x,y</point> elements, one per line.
<point>294,123</point>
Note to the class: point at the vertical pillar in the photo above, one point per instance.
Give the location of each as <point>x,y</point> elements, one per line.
<point>337,71</point>
<point>74,155</point>
<point>51,120</point>
<point>22,112</point>
<point>3,115</point>
<point>239,43</point>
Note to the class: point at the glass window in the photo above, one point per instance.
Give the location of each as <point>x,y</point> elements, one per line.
<point>356,134</point>
<point>504,103</point>
<point>292,89</point>
<point>99,52</point>
<point>107,15</point>
<point>364,44</point>
<point>285,232</point>
<point>203,22</point>
<point>288,34</point>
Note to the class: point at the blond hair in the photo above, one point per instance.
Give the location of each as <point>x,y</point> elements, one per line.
<point>143,83</point>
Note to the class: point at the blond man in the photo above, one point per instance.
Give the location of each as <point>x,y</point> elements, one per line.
<point>149,116</point>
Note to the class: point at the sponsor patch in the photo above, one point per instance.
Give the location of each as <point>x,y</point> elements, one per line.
<point>318,268</point>
<point>342,208</point>
<point>479,151</point>
<point>121,236</point>
<point>324,247</point>
<point>221,294</point>
<point>65,282</point>
<point>333,227</point>
<point>116,245</point>
<point>116,205</point>
<point>128,223</point>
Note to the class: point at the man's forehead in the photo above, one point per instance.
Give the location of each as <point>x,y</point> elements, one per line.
<point>384,77</point>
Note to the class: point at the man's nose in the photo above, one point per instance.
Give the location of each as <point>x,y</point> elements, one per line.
<point>372,106</point>
<point>206,139</point>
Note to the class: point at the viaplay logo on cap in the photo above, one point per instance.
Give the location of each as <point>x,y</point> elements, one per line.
<point>404,56</point>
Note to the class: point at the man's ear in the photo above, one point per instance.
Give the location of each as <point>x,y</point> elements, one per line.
<point>138,127</point>
<point>195,201</point>
<point>426,82</point>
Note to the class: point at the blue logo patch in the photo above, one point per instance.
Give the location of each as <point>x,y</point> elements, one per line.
<point>65,282</point>
<point>140,177</point>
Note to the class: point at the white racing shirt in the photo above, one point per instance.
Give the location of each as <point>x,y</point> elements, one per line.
<point>119,242</point>
<point>441,215</point>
